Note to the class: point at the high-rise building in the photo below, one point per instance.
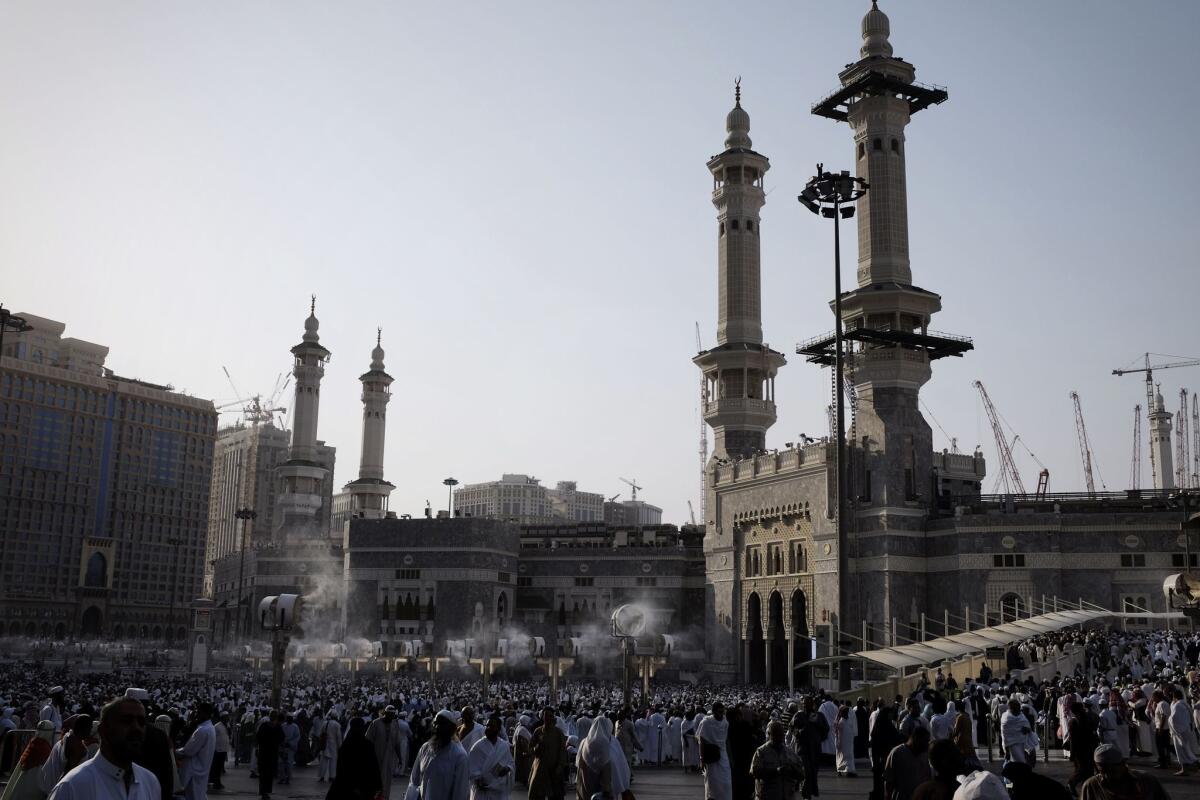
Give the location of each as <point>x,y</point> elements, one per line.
<point>104,493</point>
<point>523,499</point>
<point>244,462</point>
<point>567,502</point>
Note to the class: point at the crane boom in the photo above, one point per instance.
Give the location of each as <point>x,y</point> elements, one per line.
<point>1149,370</point>
<point>1085,446</point>
<point>633,485</point>
<point>1195,441</point>
<point>1010,478</point>
<point>1135,462</point>
<point>1183,443</point>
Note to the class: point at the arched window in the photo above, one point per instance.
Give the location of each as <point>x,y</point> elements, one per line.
<point>96,575</point>
<point>862,149</point>
<point>895,145</point>
<point>877,144</point>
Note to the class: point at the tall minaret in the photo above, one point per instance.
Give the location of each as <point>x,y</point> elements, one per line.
<point>302,476</point>
<point>369,493</point>
<point>1160,444</point>
<point>740,370</point>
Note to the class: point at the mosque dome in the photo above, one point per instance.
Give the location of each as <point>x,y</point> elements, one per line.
<point>312,324</point>
<point>737,124</point>
<point>876,28</point>
<point>377,353</point>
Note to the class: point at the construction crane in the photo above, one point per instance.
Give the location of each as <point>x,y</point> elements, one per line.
<point>1085,447</point>
<point>1135,462</point>
<point>1183,444</point>
<point>633,485</point>
<point>1010,476</point>
<point>1043,476</point>
<point>1149,370</point>
<point>703,437</point>
<point>692,512</point>
<point>1195,441</point>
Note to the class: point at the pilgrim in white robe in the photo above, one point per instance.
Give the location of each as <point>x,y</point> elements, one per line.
<point>672,739</point>
<point>830,710</point>
<point>486,762</point>
<point>688,743</point>
<point>440,774</point>
<point>718,780</point>
<point>845,731</point>
<point>327,757</point>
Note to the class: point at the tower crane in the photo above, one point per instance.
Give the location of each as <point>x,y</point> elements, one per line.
<point>1135,462</point>
<point>1195,441</point>
<point>692,512</point>
<point>1010,476</point>
<point>703,437</point>
<point>1149,370</point>
<point>633,485</point>
<point>1085,447</point>
<point>1183,444</point>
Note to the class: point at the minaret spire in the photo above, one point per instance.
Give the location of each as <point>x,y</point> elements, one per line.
<point>369,492</point>
<point>740,370</point>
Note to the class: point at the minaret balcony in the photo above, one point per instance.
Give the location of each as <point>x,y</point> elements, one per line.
<point>739,405</point>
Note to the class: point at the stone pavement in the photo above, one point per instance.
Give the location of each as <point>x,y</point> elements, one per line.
<point>671,783</point>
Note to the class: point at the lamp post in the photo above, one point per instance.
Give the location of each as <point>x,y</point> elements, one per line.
<point>245,515</point>
<point>11,322</point>
<point>450,482</point>
<point>830,196</point>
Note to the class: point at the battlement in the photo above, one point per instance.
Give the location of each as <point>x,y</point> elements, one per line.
<point>777,462</point>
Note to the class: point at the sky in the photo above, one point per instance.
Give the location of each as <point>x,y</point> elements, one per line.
<point>517,194</point>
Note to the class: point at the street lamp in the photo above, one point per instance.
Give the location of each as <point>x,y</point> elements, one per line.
<point>11,322</point>
<point>245,515</point>
<point>830,195</point>
<point>451,482</point>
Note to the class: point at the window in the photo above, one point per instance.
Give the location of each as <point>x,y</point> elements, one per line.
<point>750,225</point>
<point>408,574</point>
<point>734,224</point>
<point>585,582</point>
<point>895,146</point>
<point>877,144</point>
<point>1133,559</point>
<point>722,229</point>
<point>523,582</point>
<point>862,149</point>
<point>1179,559</point>
<point>643,581</point>
<point>504,577</point>
<point>1008,560</point>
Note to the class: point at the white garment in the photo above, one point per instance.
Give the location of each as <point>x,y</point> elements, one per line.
<point>50,712</point>
<point>440,774</point>
<point>100,779</point>
<point>1182,735</point>
<point>658,738</point>
<point>689,747</point>
<point>52,771</point>
<point>830,710</point>
<point>327,757</point>
<point>196,761</point>
<point>672,739</point>
<point>1014,734</point>
<point>485,763</point>
<point>845,732</point>
<point>718,780</point>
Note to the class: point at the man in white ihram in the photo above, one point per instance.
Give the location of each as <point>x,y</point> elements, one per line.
<point>718,780</point>
<point>440,771</point>
<point>490,765</point>
<point>111,773</point>
<point>1014,732</point>
<point>195,757</point>
<point>329,740</point>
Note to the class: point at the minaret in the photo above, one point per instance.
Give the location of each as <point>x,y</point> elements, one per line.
<point>740,370</point>
<point>369,493</point>
<point>302,476</point>
<point>1160,444</point>
<point>886,317</point>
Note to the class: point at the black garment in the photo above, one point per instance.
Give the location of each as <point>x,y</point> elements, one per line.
<point>862,718</point>
<point>158,756</point>
<point>742,740</point>
<point>1030,785</point>
<point>884,738</point>
<point>269,739</point>
<point>217,770</point>
<point>1084,741</point>
<point>808,732</point>
<point>1162,741</point>
<point>357,768</point>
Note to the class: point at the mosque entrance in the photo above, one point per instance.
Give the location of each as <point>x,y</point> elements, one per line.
<point>756,655</point>
<point>777,641</point>
<point>90,622</point>
<point>801,644</point>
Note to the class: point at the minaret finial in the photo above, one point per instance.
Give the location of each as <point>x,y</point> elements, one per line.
<point>378,336</point>
<point>312,309</point>
<point>737,91</point>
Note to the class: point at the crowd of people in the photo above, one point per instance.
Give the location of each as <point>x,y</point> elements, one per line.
<point>1132,695</point>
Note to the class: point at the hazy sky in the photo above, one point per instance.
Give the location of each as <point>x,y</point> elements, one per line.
<point>517,193</point>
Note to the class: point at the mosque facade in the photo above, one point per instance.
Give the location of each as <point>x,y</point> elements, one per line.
<point>921,548</point>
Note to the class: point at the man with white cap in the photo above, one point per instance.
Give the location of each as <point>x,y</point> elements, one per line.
<point>490,764</point>
<point>54,707</point>
<point>384,734</point>
<point>1114,779</point>
<point>441,770</point>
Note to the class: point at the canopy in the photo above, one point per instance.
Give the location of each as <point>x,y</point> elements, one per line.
<point>961,644</point>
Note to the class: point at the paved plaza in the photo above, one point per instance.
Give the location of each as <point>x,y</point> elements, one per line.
<point>671,783</point>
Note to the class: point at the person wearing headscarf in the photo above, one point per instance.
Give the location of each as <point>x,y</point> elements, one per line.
<point>355,776</point>
<point>24,783</point>
<point>712,732</point>
<point>845,729</point>
<point>522,754</point>
<point>690,748</point>
<point>490,764</point>
<point>384,734</point>
<point>441,771</point>
<point>594,764</point>
<point>1114,780</point>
